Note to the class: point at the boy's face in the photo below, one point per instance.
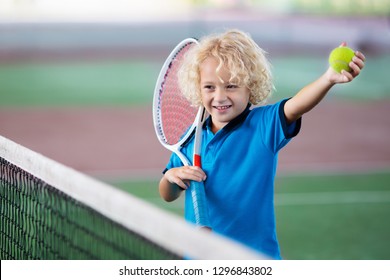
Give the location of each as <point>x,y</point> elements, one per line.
<point>223,100</point>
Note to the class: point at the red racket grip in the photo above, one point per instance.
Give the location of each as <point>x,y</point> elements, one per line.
<point>197,161</point>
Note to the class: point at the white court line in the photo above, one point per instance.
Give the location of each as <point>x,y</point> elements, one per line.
<point>333,168</point>
<point>284,170</point>
<point>316,198</point>
<point>329,198</point>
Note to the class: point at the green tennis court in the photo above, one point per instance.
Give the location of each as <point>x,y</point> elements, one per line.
<point>129,82</point>
<point>318,217</point>
<point>343,216</point>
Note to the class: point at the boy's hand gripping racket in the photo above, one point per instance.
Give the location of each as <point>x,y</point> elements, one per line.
<point>175,121</point>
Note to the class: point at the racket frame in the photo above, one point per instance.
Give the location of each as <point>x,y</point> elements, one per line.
<point>196,188</point>
<point>158,125</point>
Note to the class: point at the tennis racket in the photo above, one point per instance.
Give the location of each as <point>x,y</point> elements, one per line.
<point>176,121</point>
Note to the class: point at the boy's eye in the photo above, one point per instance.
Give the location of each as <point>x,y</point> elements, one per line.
<point>231,86</point>
<point>208,87</point>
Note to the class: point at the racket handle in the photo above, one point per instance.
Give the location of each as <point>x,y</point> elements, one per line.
<point>200,204</point>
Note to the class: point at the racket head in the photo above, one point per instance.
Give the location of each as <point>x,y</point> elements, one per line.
<point>173,115</point>
<point>175,119</point>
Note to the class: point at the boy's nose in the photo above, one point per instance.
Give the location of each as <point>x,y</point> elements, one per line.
<point>220,95</point>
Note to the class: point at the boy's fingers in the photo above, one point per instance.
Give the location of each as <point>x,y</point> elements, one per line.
<point>358,61</point>
<point>199,177</point>
<point>181,184</point>
<point>360,55</point>
<point>355,68</point>
<point>195,173</point>
<point>347,76</point>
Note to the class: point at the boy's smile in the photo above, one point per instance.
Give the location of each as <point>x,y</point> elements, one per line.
<point>222,98</point>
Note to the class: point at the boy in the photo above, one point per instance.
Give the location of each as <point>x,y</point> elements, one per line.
<point>228,73</point>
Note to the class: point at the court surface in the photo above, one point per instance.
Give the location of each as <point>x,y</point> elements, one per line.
<point>332,190</point>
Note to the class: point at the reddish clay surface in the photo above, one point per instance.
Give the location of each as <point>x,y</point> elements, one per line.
<point>335,136</point>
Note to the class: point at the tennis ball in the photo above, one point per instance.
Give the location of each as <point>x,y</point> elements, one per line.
<point>340,58</point>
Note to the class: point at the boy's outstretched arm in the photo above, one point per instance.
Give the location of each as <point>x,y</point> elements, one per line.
<point>308,97</point>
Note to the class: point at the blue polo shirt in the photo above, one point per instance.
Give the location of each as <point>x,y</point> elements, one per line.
<point>240,162</point>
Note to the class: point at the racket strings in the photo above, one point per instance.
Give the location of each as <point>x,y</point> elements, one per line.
<point>177,114</point>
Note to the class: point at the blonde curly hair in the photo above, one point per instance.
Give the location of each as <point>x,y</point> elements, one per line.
<point>237,51</point>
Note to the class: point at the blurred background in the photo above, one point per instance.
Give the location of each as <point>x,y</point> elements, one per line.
<point>77,81</point>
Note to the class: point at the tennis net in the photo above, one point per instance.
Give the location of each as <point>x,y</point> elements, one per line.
<point>50,211</point>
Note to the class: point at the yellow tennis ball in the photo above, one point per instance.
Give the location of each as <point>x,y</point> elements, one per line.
<point>340,58</point>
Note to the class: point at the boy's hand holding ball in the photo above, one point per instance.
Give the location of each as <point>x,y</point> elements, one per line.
<point>345,64</point>
<point>340,58</point>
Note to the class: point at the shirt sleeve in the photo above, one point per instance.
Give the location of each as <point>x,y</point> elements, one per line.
<point>289,130</point>
<point>174,161</point>
<point>274,130</point>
